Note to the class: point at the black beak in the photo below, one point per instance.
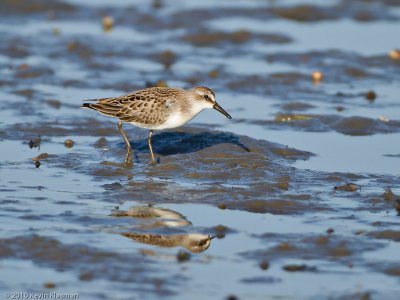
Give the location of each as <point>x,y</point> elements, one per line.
<point>221,110</point>
<point>212,237</point>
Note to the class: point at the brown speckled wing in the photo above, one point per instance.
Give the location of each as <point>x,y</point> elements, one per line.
<point>148,106</point>
<point>155,239</point>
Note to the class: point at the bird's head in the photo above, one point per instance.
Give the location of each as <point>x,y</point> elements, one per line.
<point>206,98</point>
<point>197,242</point>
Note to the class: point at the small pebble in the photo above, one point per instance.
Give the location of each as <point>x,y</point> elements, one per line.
<point>161,83</point>
<point>71,46</point>
<point>40,157</point>
<point>317,76</point>
<point>49,285</point>
<point>23,67</point>
<point>167,58</point>
<point>370,96</point>
<point>348,187</point>
<point>69,143</point>
<point>213,74</point>
<point>101,142</point>
<point>395,54</point>
<point>330,231</point>
<point>222,206</point>
<point>383,119</point>
<point>108,23</point>
<point>294,268</point>
<point>264,265</point>
<point>220,228</point>
<point>388,195</point>
<point>220,231</point>
<point>298,268</point>
<point>339,108</point>
<point>56,31</point>
<point>183,256</point>
<point>34,143</point>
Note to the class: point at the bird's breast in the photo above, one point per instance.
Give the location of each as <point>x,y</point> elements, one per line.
<point>175,120</point>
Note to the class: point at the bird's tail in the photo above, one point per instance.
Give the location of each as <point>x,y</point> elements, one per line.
<point>89,105</point>
<point>86,105</point>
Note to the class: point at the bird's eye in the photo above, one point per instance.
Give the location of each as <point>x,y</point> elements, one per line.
<point>201,244</point>
<point>206,97</point>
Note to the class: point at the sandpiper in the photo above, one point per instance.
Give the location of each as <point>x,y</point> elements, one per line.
<point>194,242</point>
<point>162,217</point>
<point>156,108</point>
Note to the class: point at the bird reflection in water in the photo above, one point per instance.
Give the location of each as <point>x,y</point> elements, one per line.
<point>161,217</point>
<point>194,242</point>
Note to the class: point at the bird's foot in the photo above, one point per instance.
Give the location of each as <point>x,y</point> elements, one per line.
<point>128,158</point>
<point>153,162</point>
<point>128,164</point>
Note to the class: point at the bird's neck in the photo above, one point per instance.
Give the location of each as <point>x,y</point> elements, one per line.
<point>195,106</point>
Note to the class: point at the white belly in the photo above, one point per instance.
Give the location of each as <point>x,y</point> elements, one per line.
<point>174,121</point>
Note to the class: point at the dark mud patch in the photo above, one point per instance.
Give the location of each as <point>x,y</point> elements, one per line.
<point>304,13</point>
<point>393,271</point>
<point>378,202</point>
<point>299,268</point>
<point>297,106</point>
<point>353,126</point>
<point>212,39</point>
<point>85,127</point>
<point>386,235</point>
<point>87,263</point>
<point>314,13</point>
<point>324,246</point>
<point>15,48</point>
<point>35,72</point>
<point>273,84</point>
<point>199,16</point>
<point>388,268</point>
<point>194,166</point>
<point>212,167</point>
<point>338,65</point>
<point>290,205</point>
<point>34,7</point>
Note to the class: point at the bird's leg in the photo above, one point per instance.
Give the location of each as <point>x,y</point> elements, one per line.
<point>153,160</point>
<point>128,156</point>
<point>128,145</point>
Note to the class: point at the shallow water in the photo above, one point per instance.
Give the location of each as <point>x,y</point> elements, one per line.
<point>300,188</point>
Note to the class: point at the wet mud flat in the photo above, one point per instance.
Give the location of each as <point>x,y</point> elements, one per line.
<point>297,197</point>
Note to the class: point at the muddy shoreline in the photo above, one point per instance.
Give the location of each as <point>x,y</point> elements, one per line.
<point>296,197</point>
